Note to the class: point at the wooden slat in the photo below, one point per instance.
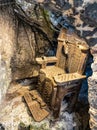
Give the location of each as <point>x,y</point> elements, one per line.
<point>37,96</point>
<point>37,112</point>
<point>63,78</point>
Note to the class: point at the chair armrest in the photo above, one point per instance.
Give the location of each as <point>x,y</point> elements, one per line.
<point>45,60</point>
<point>83,48</point>
<point>64,78</point>
<point>51,59</point>
<point>40,60</point>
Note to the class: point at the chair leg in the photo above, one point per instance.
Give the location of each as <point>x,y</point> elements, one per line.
<point>73,100</point>
<point>58,100</point>
<point>56,109</point>
<point>53,97</point>
<point>72,103</point>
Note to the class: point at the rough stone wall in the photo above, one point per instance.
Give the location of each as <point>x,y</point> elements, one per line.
<point>7,40</point>
<point>23,60</point>
<point>86,27</point>
<point>29,45</point>
<point>85,21</point>
<point>92,90</point>
<point>19,45</point>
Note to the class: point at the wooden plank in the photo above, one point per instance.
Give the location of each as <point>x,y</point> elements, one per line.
<point>37,112</point>
<point>36,95</point>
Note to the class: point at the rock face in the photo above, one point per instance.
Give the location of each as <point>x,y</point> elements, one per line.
<point>92,91</point>
<point>32,41</point>
<point>7,40</point>
<point>24,52</point>
<point>20,43</point>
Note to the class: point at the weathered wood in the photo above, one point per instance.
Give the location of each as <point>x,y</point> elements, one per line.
<point>65,78</point>
<point>47,59</point>
<point>36,105</point>
<point>43,61</point>
<point>35,95</point>
<point>51,71</point>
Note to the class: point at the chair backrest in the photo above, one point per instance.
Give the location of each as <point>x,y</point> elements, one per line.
<point>72,52</point>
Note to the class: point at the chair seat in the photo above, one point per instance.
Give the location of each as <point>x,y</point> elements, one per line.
<point>63,78</point>
<point>51,71</point>
<point>68,78</point>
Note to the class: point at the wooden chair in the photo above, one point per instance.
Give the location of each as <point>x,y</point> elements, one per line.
<point>65,75</point>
